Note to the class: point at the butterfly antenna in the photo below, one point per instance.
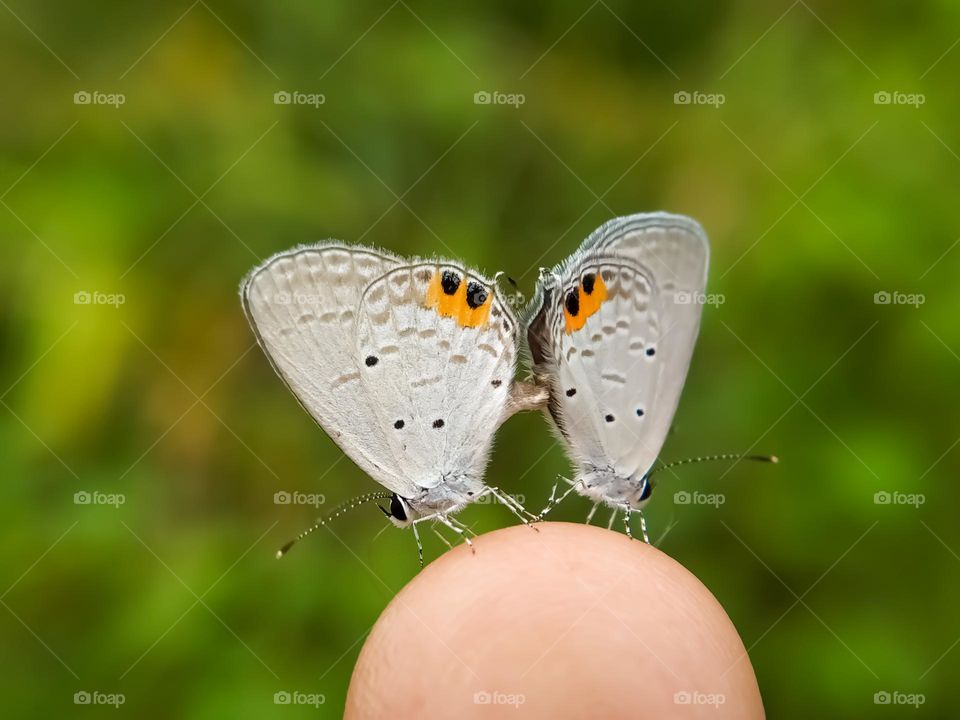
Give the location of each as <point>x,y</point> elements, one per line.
<point>341,509</point>
<point>709,458</point>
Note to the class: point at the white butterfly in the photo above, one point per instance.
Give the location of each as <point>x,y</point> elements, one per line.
<point>408,365</point>
<point>611,331</point>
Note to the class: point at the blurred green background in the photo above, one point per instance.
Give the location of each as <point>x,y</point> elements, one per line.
<point>817,194</point>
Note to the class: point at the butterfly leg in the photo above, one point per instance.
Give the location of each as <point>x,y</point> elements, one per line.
<point>512,504</point>
<point>554,501</point>
<point>416,537</point>
<point>626,521</point>
<point>613,516</point>
<point>592,512</point>
<point>442,538</point>
<point>462,532</point>
<point>643,527</point>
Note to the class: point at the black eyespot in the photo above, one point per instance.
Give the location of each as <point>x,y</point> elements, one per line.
<point>398,424</point>
<point>608,418</point>
<point>396,509</point>
<point>496,383</point>
<point>639,412</point>
<point>588,281</point>
<point>647,489</point>
<point>450,282</point>
<point>476,295</point>
<point>651,351</point>
<point>371,360</point>
<point>571,392</point>
<point>572,301</point>
<point>438,423</point>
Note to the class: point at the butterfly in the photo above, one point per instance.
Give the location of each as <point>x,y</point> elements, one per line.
<point>407,364</point>
<point>611,331</point>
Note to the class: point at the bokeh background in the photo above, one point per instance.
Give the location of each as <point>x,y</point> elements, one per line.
<point>129,373</point>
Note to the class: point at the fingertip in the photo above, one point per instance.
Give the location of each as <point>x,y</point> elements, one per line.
<point>571,621</point>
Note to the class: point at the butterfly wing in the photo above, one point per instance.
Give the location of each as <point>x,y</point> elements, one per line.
<point>437,351</point>
<point>302,307</point>
<point>612,331</point>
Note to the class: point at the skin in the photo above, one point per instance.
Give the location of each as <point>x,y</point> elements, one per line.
<point>571,622</point>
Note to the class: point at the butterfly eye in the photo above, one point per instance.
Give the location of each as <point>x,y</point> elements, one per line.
<point>647,490</point>
<point>476,295</point>
<point>396,508</point>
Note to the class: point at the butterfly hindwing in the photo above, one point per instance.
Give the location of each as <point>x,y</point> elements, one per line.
<point>436,349</point>
<point>612,331</point>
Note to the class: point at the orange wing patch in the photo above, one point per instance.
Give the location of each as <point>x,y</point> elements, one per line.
<point>580,304</point>
<point>466,302</point>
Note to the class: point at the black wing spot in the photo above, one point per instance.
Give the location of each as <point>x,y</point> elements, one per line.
<point>371,360</point>
<point>496,383</point>
<point>639,412</point>
<point>571,392</point>
<point>398,424</point>
<point>609,418</point>
<point>572,301</point>
<point>588,280</point>
<point>476,295</point>
<point>450,282</point>
<point>651,351</point>
<point>438,423</point>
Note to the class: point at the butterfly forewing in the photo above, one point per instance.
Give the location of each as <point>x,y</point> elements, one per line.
<point>302,306</point>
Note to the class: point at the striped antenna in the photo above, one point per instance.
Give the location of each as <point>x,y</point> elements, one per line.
<point>333,514</point>
<point>709,458</point>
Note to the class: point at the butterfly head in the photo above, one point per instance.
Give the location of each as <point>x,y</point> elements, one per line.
<point>400,512</point>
